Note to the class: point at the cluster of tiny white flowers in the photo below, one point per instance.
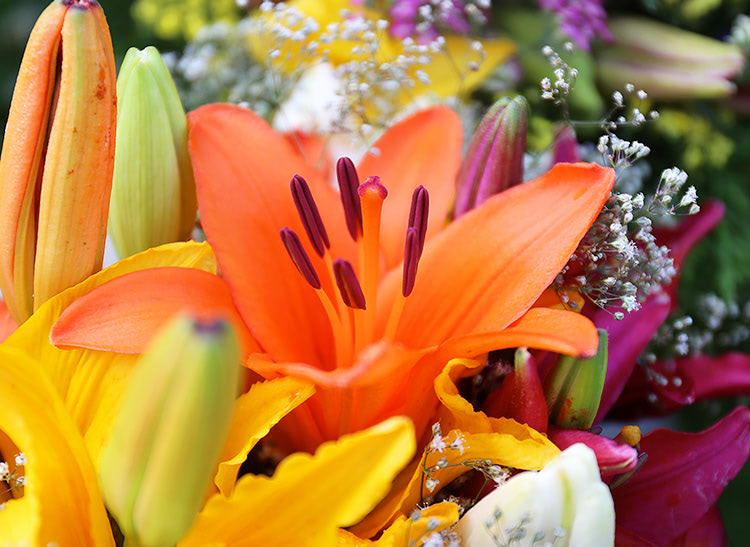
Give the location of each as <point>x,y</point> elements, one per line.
<point>618,262</point>
<point>670,185</point>
<point>740,35</point>
<point>436,13</point>
<point>712,325</point>
<point>619,153</point>
<point>12,477</point>
<point>564,77</point>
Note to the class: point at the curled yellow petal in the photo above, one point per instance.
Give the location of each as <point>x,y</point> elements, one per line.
<point>255,413</point>
<point>61,503</point>
<point>512,445</point>
<point>310,496</point>
<point>90,383</point>
<point>412,530</point>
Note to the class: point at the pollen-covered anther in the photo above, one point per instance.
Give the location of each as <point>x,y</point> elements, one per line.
<point>346,174</point>
<point>308,213</point>
<point>348,284</point>
<point>299,257</point>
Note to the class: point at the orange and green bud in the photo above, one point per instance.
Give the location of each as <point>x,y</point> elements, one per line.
<point>573,388</point>
<point>153,190</point>
<point>667,62</point>
<point>494,160</point>
<point>57,157</point>
<point>156,468</point>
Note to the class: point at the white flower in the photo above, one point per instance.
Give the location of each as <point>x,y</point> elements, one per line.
<point>314,104</point>
<point>566,500</point>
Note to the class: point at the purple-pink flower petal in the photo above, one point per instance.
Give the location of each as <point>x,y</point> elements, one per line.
<point>613,458</point>
<point>683,477</point>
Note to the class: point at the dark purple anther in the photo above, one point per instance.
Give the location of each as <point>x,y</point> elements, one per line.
<point>299,257</point>
<point>420,208</point>
<point>308,213</point>
<point>411,260</point>
<point>348,284</point>
<point>346,174</point>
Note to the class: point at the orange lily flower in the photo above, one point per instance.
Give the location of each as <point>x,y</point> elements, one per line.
<point>371,334</point>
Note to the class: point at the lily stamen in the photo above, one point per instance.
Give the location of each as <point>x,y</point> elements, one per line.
<point>415,236</point>
<point>372,194</point>
<point>346,174</point>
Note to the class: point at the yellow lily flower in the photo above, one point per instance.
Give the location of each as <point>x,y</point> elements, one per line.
<point>59,502</point>
<point>456,69</point>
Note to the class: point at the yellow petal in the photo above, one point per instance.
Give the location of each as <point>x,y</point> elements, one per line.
<point>255,413</point>
<point>309,497</point>
<point>411,530</point>
<point>513,445</point>
<point>61,503</point>
<point>458,413</point>
<point>91,382</point>
<point>449,71</point>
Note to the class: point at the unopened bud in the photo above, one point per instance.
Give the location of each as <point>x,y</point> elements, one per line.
<point>56,163</point>
<point>174,416</point>
<point>667,62</point>
<point>520,396</point>
<point>573,388</point>
<point>153,190</point>
<point>494,160</point>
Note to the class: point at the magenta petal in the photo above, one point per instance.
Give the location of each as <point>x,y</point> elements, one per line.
<point>708,531</point>
<point>628,338</point>
<point>565,147</point>
<point>723,376</point>
<point>683,237</point>
<point>683,381</point>
<point>613,457</point>
<point>626,538</point>
<point>690,231</point>
<point>683,477</point>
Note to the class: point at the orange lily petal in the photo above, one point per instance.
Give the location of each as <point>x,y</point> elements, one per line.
<point>515,445</point>
<point>346,400</point>
<point>345,479</point>
<point>61,503</point>
<point>516,242</point>
<point>123,314</point>
<point>554,330</point>
<point>425,148</point>
<point>242,172</point>
<point>559,331</point>
<point>255,413</point>
<point>91,382</point>
<point>7,323</point>
<point>411,530</point>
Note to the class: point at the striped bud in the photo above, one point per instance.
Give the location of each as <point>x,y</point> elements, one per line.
<point>667,62</point>
<point>57,157</point>
<point>153,190</point>
<point>173,419</point>
<point>573,388</point>
<point>494,160</point>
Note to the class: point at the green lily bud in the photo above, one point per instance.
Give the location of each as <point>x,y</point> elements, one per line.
<point>494,161</point>
<point>153,189</point>
<point>667,62</point>
<point>573,388</point>
<point>174,417</point>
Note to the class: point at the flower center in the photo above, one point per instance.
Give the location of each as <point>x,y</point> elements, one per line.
<point>351,310</point>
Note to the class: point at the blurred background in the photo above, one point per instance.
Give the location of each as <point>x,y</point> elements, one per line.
<point>713,145</point>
